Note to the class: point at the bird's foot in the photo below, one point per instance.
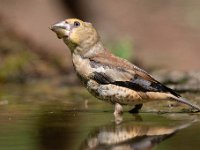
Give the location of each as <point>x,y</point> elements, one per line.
<point>136,109</point>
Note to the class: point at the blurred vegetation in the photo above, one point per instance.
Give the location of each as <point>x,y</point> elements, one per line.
<point>18,63</point>
<point>15,60</point>
<point>123,48</point>
<point>21,60</point>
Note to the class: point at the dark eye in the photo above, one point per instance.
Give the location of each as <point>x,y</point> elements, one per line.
<point>76,23</point>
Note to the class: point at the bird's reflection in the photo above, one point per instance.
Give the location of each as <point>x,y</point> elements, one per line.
<point>129,135</point>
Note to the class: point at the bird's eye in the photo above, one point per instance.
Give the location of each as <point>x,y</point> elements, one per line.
<point>76,23</point>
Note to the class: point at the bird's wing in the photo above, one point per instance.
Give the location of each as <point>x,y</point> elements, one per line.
<point>125,74</point>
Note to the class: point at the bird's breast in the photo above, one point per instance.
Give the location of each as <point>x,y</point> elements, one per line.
<point>81,66</point>
<point>114,94</point>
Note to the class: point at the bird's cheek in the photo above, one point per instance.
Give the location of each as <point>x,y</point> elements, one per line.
<point>74,38</point>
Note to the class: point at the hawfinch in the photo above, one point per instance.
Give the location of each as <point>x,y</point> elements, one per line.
<point>108,77</point>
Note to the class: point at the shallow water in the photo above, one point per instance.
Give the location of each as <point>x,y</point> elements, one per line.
<point>43,117</point>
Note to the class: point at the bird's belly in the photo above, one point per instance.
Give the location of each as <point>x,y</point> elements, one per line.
<point>114,94</point>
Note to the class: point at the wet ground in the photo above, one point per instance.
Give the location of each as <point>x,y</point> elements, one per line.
<point>44,116</point>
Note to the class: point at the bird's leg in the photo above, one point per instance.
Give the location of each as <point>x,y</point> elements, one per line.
<point>118,113</point>
<point>136,108</point>
<point>118,109</point>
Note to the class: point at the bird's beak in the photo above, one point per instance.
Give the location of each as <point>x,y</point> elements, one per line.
<point>62,29</point>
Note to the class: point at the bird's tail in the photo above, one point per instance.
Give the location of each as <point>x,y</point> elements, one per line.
<point>185,101</point>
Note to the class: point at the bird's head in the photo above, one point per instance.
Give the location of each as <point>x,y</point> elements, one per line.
<point>76,33</point>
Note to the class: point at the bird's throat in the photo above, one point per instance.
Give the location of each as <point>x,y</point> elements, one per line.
<point>91,51</point>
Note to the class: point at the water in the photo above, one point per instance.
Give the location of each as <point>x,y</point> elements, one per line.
<point>43,117</point>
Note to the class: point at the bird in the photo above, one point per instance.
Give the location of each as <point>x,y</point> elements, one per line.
<point>108,77</point>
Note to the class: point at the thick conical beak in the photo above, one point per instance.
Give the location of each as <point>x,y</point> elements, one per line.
<point>62,29</point>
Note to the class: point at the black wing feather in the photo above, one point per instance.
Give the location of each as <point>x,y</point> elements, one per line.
<point>139,85</point>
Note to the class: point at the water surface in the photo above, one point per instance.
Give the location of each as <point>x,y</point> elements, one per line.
<point>43,117</point>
